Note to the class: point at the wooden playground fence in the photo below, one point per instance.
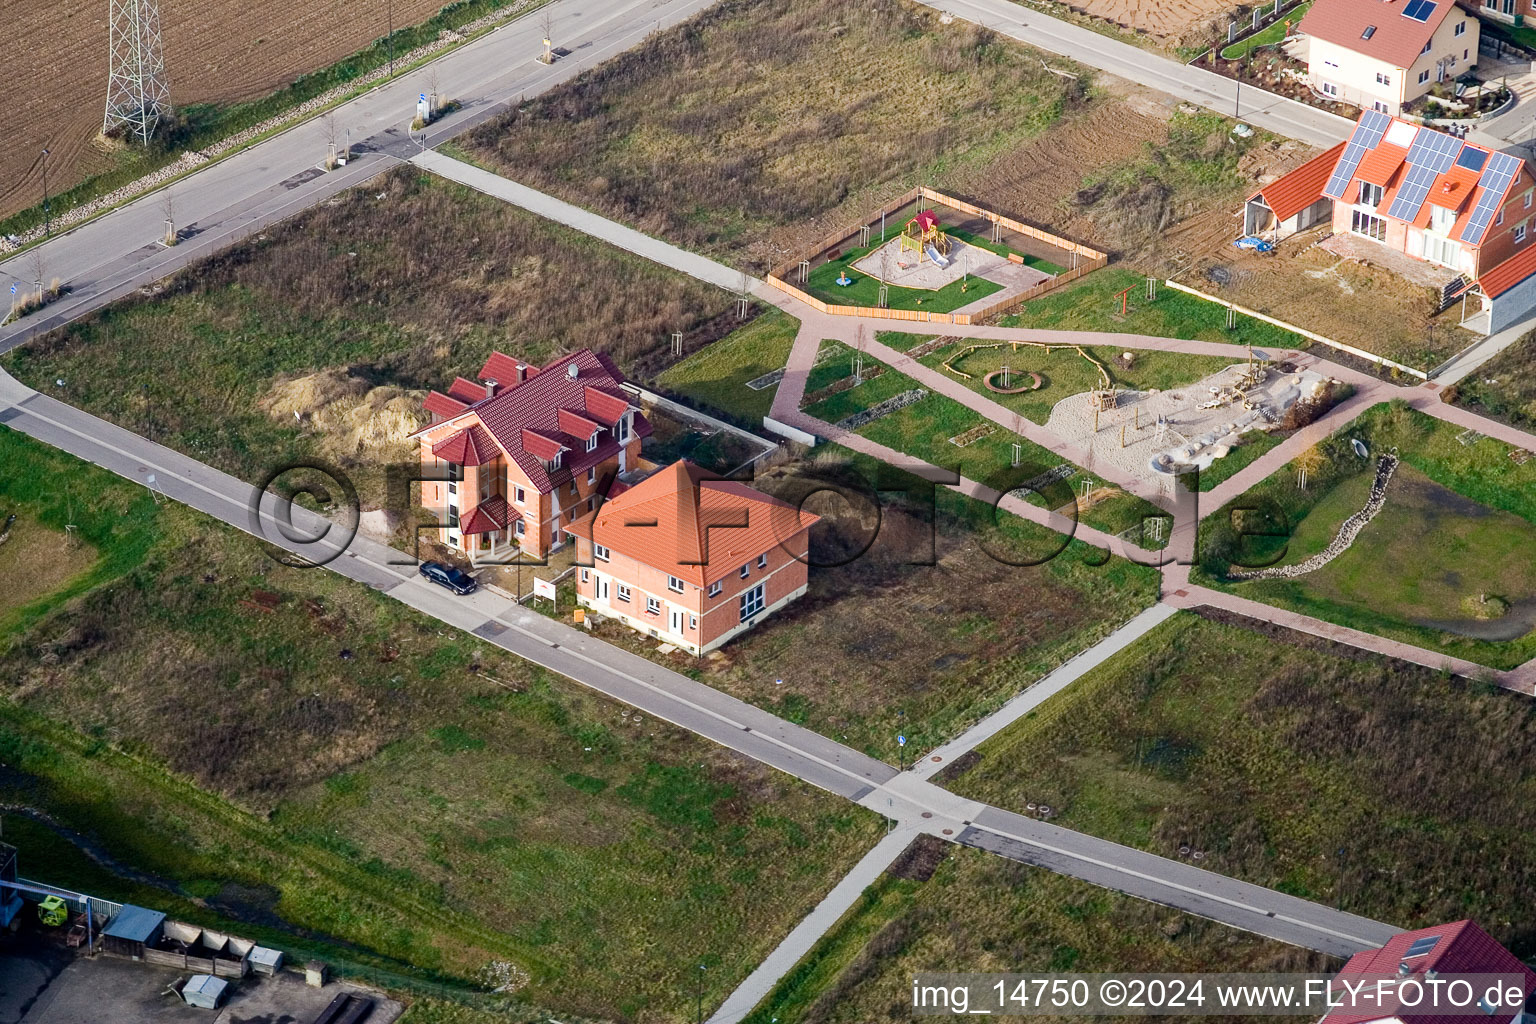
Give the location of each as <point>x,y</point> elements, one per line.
<point>1090,259</point>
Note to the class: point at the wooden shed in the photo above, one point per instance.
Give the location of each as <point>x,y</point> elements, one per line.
<point>132,931</point>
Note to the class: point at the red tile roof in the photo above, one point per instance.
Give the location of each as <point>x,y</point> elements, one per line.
<point>502,369</point>
<point>1291,193</point>
<point>1394,38</point>
<point>466,390</point>
<point>686,522</point>
<point>439,404</point>
<point>490,515</point>
<point>527,421</point>
<point>1462,948</point>
<point>469,447</point>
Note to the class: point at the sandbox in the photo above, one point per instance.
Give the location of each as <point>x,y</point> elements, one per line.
<point>1166,433</point>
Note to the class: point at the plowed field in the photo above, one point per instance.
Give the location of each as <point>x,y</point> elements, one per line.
<point>216,51</point>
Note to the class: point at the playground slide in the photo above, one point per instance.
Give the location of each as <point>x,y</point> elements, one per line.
<point>938,260</point>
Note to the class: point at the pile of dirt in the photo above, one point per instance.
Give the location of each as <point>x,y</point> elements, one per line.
<point>350,414</point>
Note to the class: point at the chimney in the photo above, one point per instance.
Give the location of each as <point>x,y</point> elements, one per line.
<point>571,371</point>
<point>491,388</point>
<point>522,372</point>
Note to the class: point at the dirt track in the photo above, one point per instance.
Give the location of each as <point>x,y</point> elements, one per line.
<point>215,51</point>
<point>1178,21</point>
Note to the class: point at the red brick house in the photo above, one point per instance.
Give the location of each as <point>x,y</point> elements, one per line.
<point>691,559</point>
<point>1427,194</point>
<point>1447,950</point>
<point>531,448</point>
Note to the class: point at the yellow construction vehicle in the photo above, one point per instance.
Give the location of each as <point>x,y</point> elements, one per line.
<point>52,911</point>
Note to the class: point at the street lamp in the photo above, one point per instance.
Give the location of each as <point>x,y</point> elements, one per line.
<point>391,6</point>
<point>47,214</point>
<point>699,991</point>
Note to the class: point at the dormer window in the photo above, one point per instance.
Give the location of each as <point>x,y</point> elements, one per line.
<point>1370,195</point>
<point>592,441</point>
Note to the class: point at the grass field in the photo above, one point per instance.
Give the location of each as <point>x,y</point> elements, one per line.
<point>1342,778</point>
<point>1504,387</point>
<point>1465,513</point>
<point>355,318</point>
<point>812,128</point>
<point>36,561</point>
<point>979,912</point>
<point>1255,446</point>
<point>312,758</point>
<point>1091,304</point>
<point>924,429</point>
<point>715,378</point>
<point>1064,372</point>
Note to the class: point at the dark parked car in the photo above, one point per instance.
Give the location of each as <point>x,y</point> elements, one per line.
<point>456,580</point>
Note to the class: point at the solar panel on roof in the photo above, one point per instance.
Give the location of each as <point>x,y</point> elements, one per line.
<point>1472,158</point>
<point>1422,946</point>
<point>1431,154</point>
<point>1496,176</point>
<point>1419,10</point>
<point>1373,125</point>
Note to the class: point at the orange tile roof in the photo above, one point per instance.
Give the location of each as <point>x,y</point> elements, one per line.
<point>1291,193</point>
<point>692,525</point>
<point>1394,37</point>
<point>1511,272</point>
<point>1381,164</point>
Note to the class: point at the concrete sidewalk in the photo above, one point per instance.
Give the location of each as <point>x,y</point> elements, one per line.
<point>588,223</point>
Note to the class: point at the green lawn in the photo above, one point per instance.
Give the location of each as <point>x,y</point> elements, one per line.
<point>1064,372</point>
<point>864,289</point>
<point>1091,304</point>
<point>1345,779</point>
<point>1457,527</point>
<point>715,378</point>
<point>924,428</point>
<point>1015,919</point>
<point>422,803</point>
<point>1267,36</point>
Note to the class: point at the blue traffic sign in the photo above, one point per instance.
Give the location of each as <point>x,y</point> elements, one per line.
<point>901,741</point>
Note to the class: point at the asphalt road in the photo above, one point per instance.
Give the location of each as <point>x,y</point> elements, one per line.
<point>111,256</point>
<point>1195,85</point>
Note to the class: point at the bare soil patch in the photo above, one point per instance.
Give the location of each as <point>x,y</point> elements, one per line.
<point>216,51</point>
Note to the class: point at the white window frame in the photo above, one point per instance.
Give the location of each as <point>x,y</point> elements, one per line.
<point>674,584</point>
<point>715,588</point>
<point>586,575</point>
<point>600,552</point>
<point>652,605</point>
<point>520,529</point>
<point>592,441</point>
<point>762,560</point>
<point>518,494</point>
<point>746,569</point>
<point>591,474</point>
<point>1461,28</point>
<point>1370,195</point>
<point>753,602</point>
<point>1528,199</point>
<point>1329,89</point>
<point>623,593</point>
<point>1383,79</point>
<point>1499,221</point>
<point>693,622</point>
<point>1423,76</point>
<point>1519,234</point>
